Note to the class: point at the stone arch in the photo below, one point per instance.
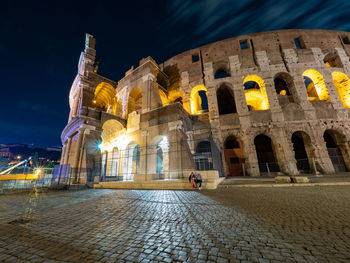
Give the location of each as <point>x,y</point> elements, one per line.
<point>266,154</point>
<point>332,60</point>
<point>284,86</point>
<point>342,84</point>
<point>203,156</point>
<point>234,156</point>
<point>110,130</point>
<point>135,100</point>
<point>255,93</point>
<point>199,100</point>
<point>337,149</point>
<point>104,95</point>
<point>315,85</point>
<point>303,151</point>
<point>226,100</point>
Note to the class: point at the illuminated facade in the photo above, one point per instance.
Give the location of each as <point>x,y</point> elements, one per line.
<point>261,103</point>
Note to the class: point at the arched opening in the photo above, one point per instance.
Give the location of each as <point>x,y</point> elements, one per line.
<point>131,161</point>
<point>283,84</point>
<point>332,60</point>
<point>199,100</point>
<point>315,85</point>
<point>104,165</point>
<point>226,100</point>
<point>221,73</point>
<point>302,156</point>
<point>203,156</point>
<point>113,167</point>
<point>104,96</point>
<point>342,84</point>
<point>163,97</point>
<point>334,151</point>
<point>159,166</point>
<point>255,93</point>
<point>135,101</point>
<point>265,153</point>
<point>234,156</point>
<point>161,163</point>
<point>111,129</point>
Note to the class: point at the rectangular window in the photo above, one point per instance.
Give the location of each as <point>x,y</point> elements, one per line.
<point>234,160</point>
<point>299,43</point>
<point>243,44</point>
<point>346,40</point>
<point>195,58</point>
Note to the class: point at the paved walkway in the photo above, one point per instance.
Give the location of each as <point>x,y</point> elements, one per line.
<point>343,178</point>
<point>174,226</point>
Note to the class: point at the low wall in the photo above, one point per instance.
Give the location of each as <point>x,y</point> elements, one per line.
<point>144,181</point>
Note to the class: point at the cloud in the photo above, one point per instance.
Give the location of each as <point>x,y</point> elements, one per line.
<point>211,20</point>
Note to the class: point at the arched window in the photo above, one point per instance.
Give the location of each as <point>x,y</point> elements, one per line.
<point>226,100</point>
<point>255,93</point>
<point>221,73</point>
<point>265,153</point>
<point>315,85</point>
<point>342,84</point>
<point>283,83</point>
<point>199,100</point>
<point>332,60</point>
<point>103,96</point>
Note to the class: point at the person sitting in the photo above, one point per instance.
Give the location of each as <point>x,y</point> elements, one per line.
<point>198,180</point>
<point>192,179</point>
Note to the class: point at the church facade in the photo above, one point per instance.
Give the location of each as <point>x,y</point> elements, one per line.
<point>267,103</point>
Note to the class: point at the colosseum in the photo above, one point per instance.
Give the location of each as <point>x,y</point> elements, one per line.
<point>260,104</point>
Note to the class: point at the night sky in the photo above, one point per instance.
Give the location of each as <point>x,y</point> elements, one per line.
<point>40,44</point>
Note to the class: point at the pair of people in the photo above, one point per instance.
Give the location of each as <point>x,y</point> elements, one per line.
<point>195,180</point>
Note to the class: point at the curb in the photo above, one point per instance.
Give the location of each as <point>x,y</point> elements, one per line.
<point>287,185</point>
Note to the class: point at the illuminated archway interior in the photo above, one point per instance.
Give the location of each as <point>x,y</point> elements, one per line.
<point>135,100</point>
<point>342,84</point>
<point>163,97</point>
<point>255,93</point>
<point>162,156</point>
<point>199,100</point>
<point>104,96</point>
<point>315,85</point>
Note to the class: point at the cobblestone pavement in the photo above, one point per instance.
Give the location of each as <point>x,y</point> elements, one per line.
<point>308,224</point>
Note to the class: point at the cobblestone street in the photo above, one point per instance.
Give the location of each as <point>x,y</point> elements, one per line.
<point>304,224</point>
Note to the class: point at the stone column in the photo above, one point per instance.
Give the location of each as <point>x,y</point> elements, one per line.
<point>78,148</point>
<point>275,108</point>
<point>251,159</point>
<point>68,149</point>
<point>301,96</point>
<point>63,153</point>
<point>284,152</point>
